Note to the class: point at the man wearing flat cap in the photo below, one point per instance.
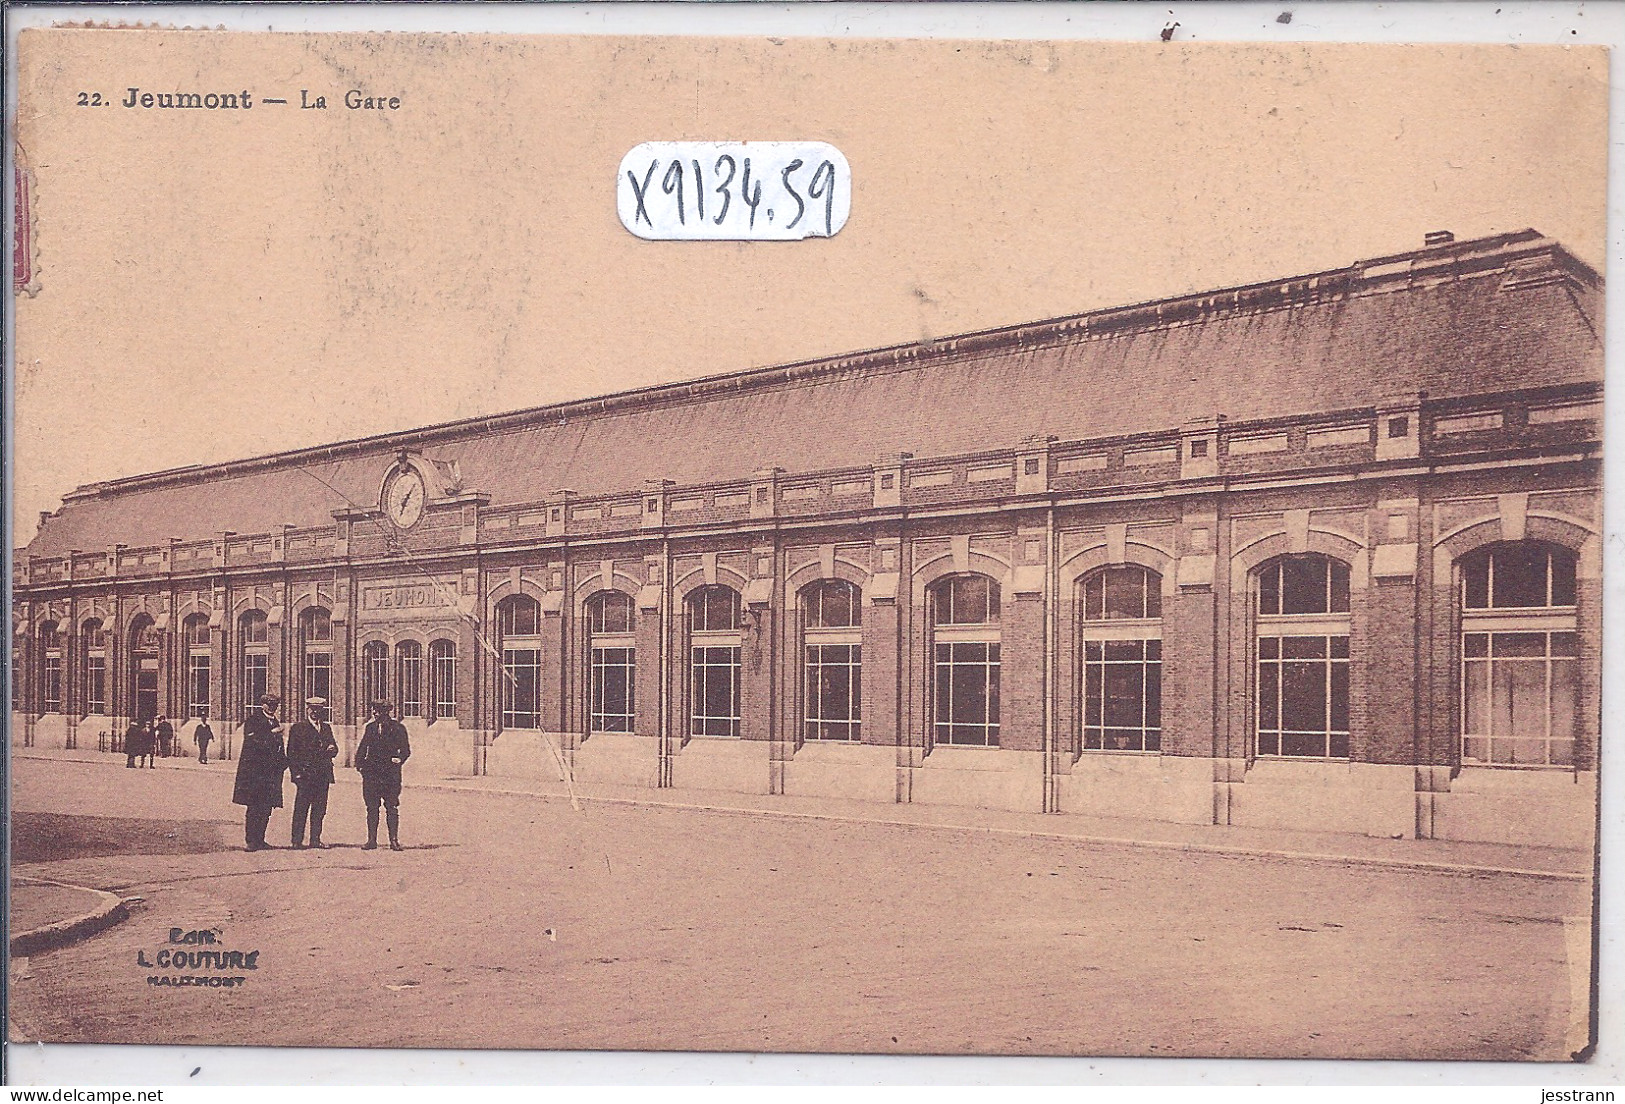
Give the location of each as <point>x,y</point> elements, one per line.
<point>379,755</point>
<point>259,770</point>
<point>311,750</point>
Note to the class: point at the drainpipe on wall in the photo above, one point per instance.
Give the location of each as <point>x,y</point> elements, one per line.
<point>663,777</point>
<point>1051,590</point>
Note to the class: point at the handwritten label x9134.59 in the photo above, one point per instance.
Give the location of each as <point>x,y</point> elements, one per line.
<point>734,191</point>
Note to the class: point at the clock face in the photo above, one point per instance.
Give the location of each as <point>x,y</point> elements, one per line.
<point>403,501</point>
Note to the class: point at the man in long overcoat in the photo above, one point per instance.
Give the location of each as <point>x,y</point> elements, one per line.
<point>311,750</point>
<point>379,755</point>
<point>146,743</point>
<point>260,764</point>
<point>133,738</point>
<point>164,736</point>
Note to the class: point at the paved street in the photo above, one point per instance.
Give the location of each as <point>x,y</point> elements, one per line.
<point>515,921</point>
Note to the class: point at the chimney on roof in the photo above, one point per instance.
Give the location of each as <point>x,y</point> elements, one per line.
<point>1437,237</point>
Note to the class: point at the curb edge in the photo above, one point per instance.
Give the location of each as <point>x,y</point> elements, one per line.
<point>110,910</point>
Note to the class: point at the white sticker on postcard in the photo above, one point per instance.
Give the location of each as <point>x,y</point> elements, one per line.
<point>734,191</point>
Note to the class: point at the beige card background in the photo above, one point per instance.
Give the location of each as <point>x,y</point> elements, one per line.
<point>220,284</point>
<point>213,285</point>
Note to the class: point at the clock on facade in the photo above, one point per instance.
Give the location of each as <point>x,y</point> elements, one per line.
<point>403,498</point>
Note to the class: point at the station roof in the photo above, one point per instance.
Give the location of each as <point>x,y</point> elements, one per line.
<point>1480,317</point>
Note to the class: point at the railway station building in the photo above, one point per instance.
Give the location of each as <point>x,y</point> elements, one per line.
<point>1319,553</point>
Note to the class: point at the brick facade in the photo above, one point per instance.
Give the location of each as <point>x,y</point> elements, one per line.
<point>1399,490</point>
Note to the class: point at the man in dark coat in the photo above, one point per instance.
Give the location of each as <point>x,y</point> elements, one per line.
<point>203,736</point>
<point>379,755</point>
<point>260,764</point>
<point>164,735</point>
<point>311,750</point>
<point>132,741</point>
<point>145,743</point>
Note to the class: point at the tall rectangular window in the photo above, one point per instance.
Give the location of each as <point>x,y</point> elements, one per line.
<point>319,674</point>
<point>967,694</point>
<point>443,676</point>
<point>1303,696</point>
<point>409,677</point>
<point>519,620</point>
<point>1121,628</point>
<point>612,662</point>
<point>1302,674</point>
<point>51,684</point>
<point>256,678</point>
<point>96,684</point>
<point>1520,648</point>
<point>832,660</point>
<point>195,641</point>
<point>146,688</point>
<point>714,692</point>
<point>831,692</point>
<point>253,630</point>
<point>965,613</point>
<point>316,642</point>
<point>1122,695</point>
<point>50,668</point>
<point>197,683</point>
<point>375,671</point>
<point>93,671</point>
<point>612,675</point>
<point>714,617</point>
<point>521,688</point>
<point>1520,698</point>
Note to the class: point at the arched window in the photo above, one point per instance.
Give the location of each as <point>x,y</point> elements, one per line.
<point>964,613</point>
<point>316,660</point>
<point>144,668</point>
<point>195,639</point>
<point>375,671</point>
<point>519,619</point>
<point>144,634</point>
<point>832,660</point>
<point>50,683</point>
<point>409,678</point>
<point>1121,654</point>
<point>443,679</point>
<point>714,643</point>
<point>254,636</point>
<point>519,615</point>
<point>1302,623</point>
<point>94,667</point>
<point>611,662</point>
<point>1519,656</point>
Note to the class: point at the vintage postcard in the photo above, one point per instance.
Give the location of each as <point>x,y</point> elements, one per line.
<point>806,545</point>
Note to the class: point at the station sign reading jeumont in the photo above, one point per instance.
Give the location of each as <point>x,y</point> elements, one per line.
<point>400,597</point>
